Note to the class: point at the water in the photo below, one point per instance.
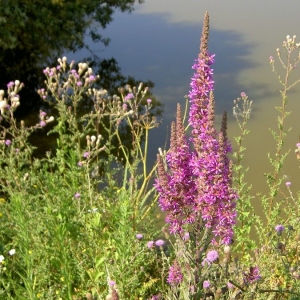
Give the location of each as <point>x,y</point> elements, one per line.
<point>160,40</point>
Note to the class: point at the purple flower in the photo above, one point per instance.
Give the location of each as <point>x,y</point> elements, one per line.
<point>212,256</point>
<point>279,228</point>
<point>288,183</point>
<point>79,83</point>
<point>42,113</point>
<point>150,244</point>
<point>8,142</point>
<point>129,96</point>
<point>77,195</point>
<point>230,285</point>
<point>86,154</point>
<point>43,123</point>
<point>196,187</point>
<point>139,236</point>
<point>149,101</point>
<point>175,276</point>
<point>159,243</point>
<point>186,236</point>
<point>92,78</point>
<point>112,283</point>
<point>206,284</point>
<point>252,276</point>
<point>10,84</point>
<point>80,164</point>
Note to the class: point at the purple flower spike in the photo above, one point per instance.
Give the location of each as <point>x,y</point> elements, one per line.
<point>194,180</point>
<point>175,276</point>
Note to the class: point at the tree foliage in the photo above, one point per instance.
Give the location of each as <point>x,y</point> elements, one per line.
<point>34,33</point>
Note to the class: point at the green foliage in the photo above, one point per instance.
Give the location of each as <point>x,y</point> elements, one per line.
<point>72,216</point>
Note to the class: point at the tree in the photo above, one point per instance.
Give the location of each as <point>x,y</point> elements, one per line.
<point>34,33</point>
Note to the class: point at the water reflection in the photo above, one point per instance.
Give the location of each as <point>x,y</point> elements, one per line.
<point>161,40</point>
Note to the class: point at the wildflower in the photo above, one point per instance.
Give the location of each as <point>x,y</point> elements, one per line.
<point>1,258</point>
<point>230,285</point>
<point>79,83</point>
<point>197,185</point>
<point>252,276</point>
<point>149,101</point>
<point>150,244</point>
<point>175,276</point>
<point>80,164</point>
<point>212,256</point>
<point>86,154</point>
<point>12,252</point>
<point>43,123</point>
<point>139,236</point>
<point>42,113</point>
<point>77,195</point>
<point>206,284</point>
<point>111,283</point>
<point>279,228</point>
<point>159,243</point>
<point>8,142</point>
<point>288,183</point>
<point>186,236</point>
<point>129,96</point>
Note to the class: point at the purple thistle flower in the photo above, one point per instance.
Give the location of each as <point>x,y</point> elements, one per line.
<point>129,96</point>
<point>279,228</point>
<point>159,243</point>
<point>80,164</point>
<point>8,142</point>
<point>175,276</point>
<point>43,123</point>
<point>112,283</point>
<point>212,256</point>
<point>77,195</point>
<point>86,154</point>
<point>139,236</point>
<point>150,244</point>
<point>288,183</point>
<point>206,284</point>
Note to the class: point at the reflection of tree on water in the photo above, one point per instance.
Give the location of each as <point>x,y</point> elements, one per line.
<point>36,33</point>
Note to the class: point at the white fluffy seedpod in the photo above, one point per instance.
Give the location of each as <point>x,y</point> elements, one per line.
<point>51,119</point>
<point>3,105</point>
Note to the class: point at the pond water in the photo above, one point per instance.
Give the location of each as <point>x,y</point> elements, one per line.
<point>160,40</point>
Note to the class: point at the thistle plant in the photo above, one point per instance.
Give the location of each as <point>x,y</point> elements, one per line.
<point>72,216</point>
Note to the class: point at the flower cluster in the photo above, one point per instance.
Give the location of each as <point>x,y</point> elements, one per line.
<point>195,186</point>
<point>175,276</point>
